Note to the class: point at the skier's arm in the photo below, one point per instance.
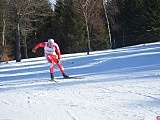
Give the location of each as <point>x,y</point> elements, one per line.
<point>58,51</point>
<point>38,45</point>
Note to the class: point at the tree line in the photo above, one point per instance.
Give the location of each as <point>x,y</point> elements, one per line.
<point>76,25</point>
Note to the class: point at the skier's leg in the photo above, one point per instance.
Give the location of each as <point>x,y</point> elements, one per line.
<point>49,59</point>
<point>51,68</point>
<point>60,67</point>
<point>62,70</point>
<point>52,71</point>
<point>54,58</point>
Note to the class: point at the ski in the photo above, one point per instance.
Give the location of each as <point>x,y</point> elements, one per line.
<point>71,78</point>
<point>53,81</point>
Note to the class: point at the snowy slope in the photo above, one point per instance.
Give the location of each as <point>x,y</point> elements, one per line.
<point>120,84</point>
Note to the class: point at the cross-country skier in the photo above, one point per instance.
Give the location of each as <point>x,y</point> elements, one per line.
<point>53,56</point>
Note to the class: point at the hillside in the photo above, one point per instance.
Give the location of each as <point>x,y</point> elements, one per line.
<point>120,84</point>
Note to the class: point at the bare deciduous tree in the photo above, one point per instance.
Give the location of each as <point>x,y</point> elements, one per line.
<point>25,13</point>
<point>4,20</point>
<point>111,10</point>
<point>108,23</point>
<point>86,9</point>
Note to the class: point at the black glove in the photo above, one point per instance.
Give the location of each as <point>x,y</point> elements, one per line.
<point>33,50</point>
<point>58,60</point>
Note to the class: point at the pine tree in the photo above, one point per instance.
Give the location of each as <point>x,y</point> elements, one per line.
<point>140,20</point>
<point>153,16</point>
<point>68,30</point>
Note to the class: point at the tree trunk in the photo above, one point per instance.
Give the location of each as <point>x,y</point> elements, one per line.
<point>18,51</point>
<point>109,31</point>
<point>25,47</point>
<point>88,38</point>
<point>3,31</point>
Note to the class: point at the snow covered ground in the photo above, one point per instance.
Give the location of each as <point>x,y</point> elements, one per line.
<point>120,84</point>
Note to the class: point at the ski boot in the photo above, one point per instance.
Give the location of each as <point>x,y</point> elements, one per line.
<point>52,77</point>
<point>65,76</point>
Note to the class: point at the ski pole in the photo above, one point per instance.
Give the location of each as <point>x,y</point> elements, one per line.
<point>70,62</point>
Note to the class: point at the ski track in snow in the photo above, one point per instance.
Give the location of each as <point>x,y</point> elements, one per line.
<point>120,84</point>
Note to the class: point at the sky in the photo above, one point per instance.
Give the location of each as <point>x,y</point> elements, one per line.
<point>119,84</point>
<point>53,1</point>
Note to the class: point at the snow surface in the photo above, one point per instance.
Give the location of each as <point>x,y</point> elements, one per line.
<point>120,84</point>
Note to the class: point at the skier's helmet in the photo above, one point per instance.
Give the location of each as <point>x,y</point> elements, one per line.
<point>50,41</point>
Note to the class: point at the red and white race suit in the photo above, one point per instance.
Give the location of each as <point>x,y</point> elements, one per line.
<point>52,55</point>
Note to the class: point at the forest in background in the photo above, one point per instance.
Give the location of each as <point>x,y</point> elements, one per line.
<point>76,25</point>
